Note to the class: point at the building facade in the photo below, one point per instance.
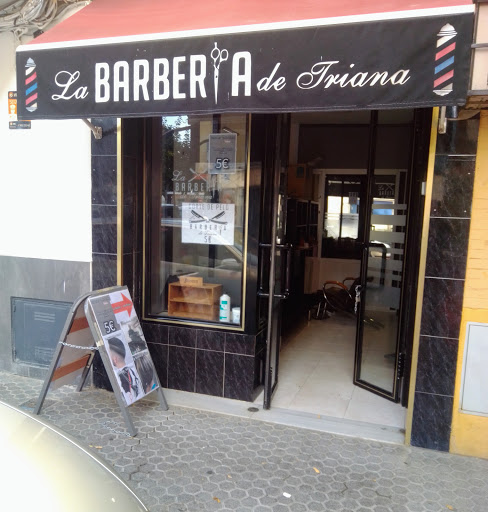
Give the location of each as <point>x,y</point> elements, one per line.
<point>408,226</point>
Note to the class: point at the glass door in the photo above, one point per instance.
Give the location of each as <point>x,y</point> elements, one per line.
<point>279,258</point>
<point>378,295</point>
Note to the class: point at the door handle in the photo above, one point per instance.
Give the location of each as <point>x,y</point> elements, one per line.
<point>286,293</point>
<point>357,298</point>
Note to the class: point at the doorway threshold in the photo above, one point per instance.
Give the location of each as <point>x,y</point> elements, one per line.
<point>292,418</point>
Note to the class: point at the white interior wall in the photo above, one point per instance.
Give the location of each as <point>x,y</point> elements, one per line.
<point>45,181</point>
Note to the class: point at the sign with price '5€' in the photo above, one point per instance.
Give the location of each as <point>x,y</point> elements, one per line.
<point>125,344</point>
<point>222,149</point>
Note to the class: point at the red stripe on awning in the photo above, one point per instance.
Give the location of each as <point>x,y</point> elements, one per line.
<point>122,18</point>
<point>446,50</point>
<point>30,99</point>
<point>31,78</point>
<point>443,78</point>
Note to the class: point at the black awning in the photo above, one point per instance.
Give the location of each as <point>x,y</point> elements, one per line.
<point>391,62</point>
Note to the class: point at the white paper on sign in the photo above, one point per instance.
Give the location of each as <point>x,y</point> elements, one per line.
<point>207,223</point>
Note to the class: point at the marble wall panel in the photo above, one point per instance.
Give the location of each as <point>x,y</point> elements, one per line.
<point>431,427</point>
<point>209,372</point>
<point>104,205</point>
<point>441,309</point>
<point>181,368</point>
<point>182,336</point>
<point>205,370</point>
<point>436,370</point>
<point>104,271</point>
<point>461,138</point>
<point>239,343</point>
<point>104,180</point>
<point>211,340</point>
<point>450,213</point>
<point>104,229</point>
<point>155,332</point>
<point>448,248</point>
<point>239,377</point>
<point>452,189</point>
<point>107,145</point>
<point>160,355</point>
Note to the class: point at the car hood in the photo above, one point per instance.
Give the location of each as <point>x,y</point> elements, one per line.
<point>45,469</point>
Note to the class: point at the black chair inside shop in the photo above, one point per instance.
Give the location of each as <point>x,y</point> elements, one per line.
<point>337,296</point>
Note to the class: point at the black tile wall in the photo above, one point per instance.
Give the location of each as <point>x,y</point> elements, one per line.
<point>104,220</point>
<point>104,180</point>
<point>445,273</point>
<point>107,145</point>
<point>155,333</point>
<point>240,344</point>
<point>206,361</point>
<point>431,426</point>
<point>211,340</point>
<point>183,337</point>
<point>441,309</point>
<point>104,204</point>
<point>181,368</point>
<point>452,189</point>
<point>209,372</point>
<point>104,229</point>
<point>436,365</point>
<point>104,270</point>
<point>448,248</point>
<point>133,207</point>
<point>239,377</point>
<point>159,354</point>
<point>461,138</point>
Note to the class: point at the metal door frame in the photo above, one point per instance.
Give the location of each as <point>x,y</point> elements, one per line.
<point>275,247</point>
<point>400,345</point>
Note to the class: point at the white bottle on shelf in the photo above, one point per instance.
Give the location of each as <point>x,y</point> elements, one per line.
<point>224,308</point>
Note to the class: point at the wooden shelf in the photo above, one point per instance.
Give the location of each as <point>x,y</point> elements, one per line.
<point>198,302</point>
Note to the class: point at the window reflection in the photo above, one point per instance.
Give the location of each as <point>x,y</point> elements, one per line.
<point>196,226</point>
<point>343,215</point>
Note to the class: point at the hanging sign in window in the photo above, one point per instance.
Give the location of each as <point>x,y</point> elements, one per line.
<point>207,223</point>
<point>222,149</point>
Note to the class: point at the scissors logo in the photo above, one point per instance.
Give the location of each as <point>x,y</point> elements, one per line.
<point>218,56</point>
<point>197,218</point>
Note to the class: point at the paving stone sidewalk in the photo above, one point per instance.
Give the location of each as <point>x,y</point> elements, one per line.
<point>186,460</point>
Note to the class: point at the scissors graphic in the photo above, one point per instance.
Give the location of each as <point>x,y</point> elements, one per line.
<point>203,218</point>
<point>218,56</point>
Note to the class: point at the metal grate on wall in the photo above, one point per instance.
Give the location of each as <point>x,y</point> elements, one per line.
<point>36,328</point>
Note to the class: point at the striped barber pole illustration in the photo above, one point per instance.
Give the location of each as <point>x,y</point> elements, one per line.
<point>30,86</point>
<point>444,60</point>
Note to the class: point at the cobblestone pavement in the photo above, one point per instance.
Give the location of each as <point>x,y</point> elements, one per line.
<point>187,460</point>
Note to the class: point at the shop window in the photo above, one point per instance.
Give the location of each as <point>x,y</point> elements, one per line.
<point>196,190</point>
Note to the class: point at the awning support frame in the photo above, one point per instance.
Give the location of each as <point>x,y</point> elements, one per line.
<point>96,130</point>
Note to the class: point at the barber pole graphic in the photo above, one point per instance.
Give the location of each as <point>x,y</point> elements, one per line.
<point>30,86</point>
<point>444,60</point>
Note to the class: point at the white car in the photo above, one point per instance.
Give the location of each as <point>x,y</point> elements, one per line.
<point>45,469</point>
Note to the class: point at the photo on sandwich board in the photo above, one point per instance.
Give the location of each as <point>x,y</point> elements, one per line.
<point>125,344</point>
